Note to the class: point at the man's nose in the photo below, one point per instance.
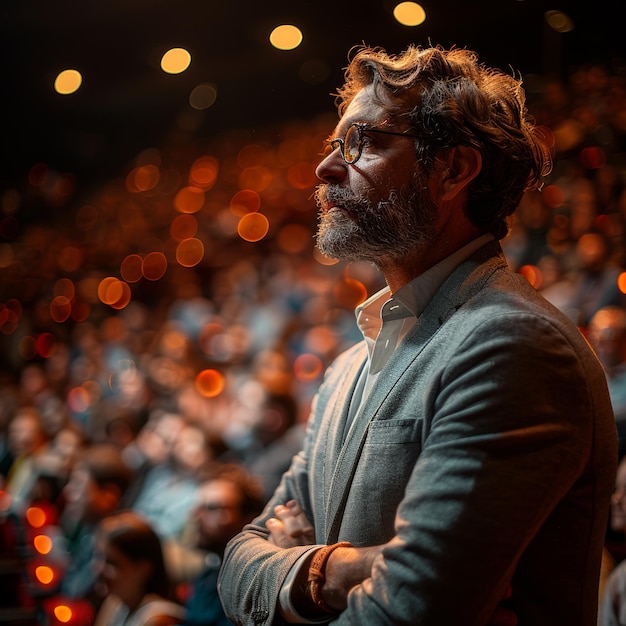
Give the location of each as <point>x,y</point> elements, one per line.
<point>332,169</point>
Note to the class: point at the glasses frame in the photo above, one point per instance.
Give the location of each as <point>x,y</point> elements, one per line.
<point>362,129</point>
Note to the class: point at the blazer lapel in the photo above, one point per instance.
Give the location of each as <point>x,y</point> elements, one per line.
<point>461,285</point>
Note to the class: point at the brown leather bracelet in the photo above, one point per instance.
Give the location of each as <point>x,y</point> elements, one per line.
<point>317,575</point>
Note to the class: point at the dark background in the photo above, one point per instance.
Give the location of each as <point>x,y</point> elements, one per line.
<point>126,103</point>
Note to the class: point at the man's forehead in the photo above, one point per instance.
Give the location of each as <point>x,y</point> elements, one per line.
<point>367,106</point>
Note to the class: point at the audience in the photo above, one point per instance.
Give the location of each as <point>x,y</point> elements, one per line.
<point>108,411</point>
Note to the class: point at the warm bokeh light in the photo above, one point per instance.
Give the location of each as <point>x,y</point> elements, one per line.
<point>409,14</point>
<point>183,227</point>
<point>68,82</point>
<point>60,309</point>
<point>131,268</point>
<point>532,274</point>
<point>189,200</point>
<point>64,287</point>
<point>553,196</point>
<point>253,227</point>
<point>245,201</point>
<point>78,399</point>
<point>63,613</point>
<point>189,252</point>
<point>307,367</point>
<point>286,37</point>
<point>302,175</point>
<point>621,282</point>
<point>43,544</point>
<point>203,96</point>
<point>559,21</point>
<point>154,266</point>
<point>210,383</point>
<point>175,61</point>
<point>203,172</point>
<point>258,178</point>
<point>44,574</point>
<point>322,259</point>
<point>142,178</point>
<point>349,293</point>
<point>35,516</point>
<point>45,343</point>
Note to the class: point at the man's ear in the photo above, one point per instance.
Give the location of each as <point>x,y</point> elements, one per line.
<point>462,164</point>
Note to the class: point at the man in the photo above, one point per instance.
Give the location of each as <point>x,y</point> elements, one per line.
<point>466,449</point>
<point>225,503</point>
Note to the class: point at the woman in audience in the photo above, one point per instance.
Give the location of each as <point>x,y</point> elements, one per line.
<point>138,588</point>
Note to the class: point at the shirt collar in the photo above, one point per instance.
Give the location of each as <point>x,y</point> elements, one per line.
<point>416,294</point>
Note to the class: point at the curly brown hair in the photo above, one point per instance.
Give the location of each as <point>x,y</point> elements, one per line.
<point>450,99</point>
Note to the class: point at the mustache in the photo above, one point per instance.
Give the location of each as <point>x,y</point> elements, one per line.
<point>327,196</point>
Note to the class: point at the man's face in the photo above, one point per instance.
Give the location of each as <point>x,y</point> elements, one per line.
<point>218,515</point>
<point>378,208</point>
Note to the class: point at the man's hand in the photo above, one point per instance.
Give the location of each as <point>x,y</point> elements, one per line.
<point>290,527</point>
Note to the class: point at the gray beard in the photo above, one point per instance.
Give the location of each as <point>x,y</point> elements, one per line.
<point>380,232</point>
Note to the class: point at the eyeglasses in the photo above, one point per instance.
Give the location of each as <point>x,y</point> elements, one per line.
<point>351,145</point>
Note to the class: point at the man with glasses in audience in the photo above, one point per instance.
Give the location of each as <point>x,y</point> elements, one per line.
<point>459,462</point>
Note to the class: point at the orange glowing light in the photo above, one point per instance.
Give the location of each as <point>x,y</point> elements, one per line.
<point>210,383</point>
<point>43,544</point>
<point>183,227</point>
<point>68,82</point>
<point>143,178</point>
<point>131,268</point>
<point>35,516</point>
<point>203,172</point>
<point>45,343</point>
<point>60,309</point>
<point>245,201</point>
<point>532,274</point>
<point>63,613</point>
<point>44,574</point>
<point>251,155</point>
<point>253,227</point>
<point>78,399</point>
<point>64,287</point>
<point>322,259</point>
<point>307,367</point>
<point>258,178</point>
<point>286,37</point>
<point>154,266</point>
<point>124,297</point>
<point>349,293</point>
<point>409,14</point>
<point>621,282</point>
<point>80,311</point>
<point>553,196</point>
<point>189,200</point>
<point>175,61</point>
<point>103,289</point>
<point>189,252</point>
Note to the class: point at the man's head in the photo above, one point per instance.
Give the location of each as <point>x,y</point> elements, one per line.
<point>469,147</point>
<point>225,504</point>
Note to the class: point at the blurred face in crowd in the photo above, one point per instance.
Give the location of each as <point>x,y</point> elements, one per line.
<point>122,576</point>
<point>607,335</point>
<point>218,515</point>
<point>618,500</point>
<point>86,500</point>
<point>25,434</point>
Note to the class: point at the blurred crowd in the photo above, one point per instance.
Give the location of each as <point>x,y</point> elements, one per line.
<point>169,416</point>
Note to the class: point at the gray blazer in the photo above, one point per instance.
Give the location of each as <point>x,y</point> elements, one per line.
<point>484,456</point>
